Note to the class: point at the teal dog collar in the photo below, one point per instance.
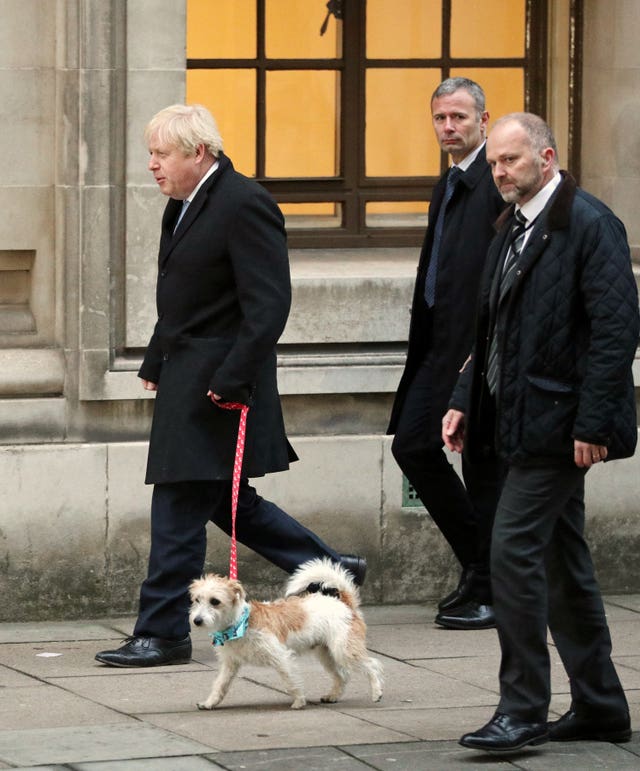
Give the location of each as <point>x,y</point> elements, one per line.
<point>234,632</point>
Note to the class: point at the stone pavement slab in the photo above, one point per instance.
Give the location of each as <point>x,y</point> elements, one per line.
<point>70,658</point>
<point>63,630</point>
<point>171,689</point>
<point>60,709</point>
<point>309,759</point>
<point>188,763</point>
<point>274,727</point>
<point>46,706</point>
<point>77,744</point>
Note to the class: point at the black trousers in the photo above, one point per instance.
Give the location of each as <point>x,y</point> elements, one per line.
<point>179,514</point>
<point>542,575</point>
<point>462,511</point>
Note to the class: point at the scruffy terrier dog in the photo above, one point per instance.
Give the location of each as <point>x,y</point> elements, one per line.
<point>319,613</point>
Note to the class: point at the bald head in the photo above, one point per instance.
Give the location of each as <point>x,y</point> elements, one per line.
<point>521,151</point>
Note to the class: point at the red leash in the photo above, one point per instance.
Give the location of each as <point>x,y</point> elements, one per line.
<point>235,483</point>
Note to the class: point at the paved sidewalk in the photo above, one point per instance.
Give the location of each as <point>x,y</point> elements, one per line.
<point>61,709</point>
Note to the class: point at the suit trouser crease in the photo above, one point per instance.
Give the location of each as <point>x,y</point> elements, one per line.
<point>542,575</point>
<point>180,512</point>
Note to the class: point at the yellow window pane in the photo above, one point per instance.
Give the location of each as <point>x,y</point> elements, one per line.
<point>230,95</point>
<point>302,131</point>
<point>503,88</point>
<point>312,215</point>
<point>394,214</point>
<point>488,28</point>
<point>399,138</point>
<point>292,30</point>
<point>221,29</point>
<point>404,29</point>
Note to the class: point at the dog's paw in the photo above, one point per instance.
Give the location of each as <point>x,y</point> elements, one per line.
<point>330,698</point>
<point>299,703</point>
<point>206,705</point>
<point>376,697</point>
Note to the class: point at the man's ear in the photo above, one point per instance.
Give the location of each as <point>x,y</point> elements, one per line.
<point>548,158</point>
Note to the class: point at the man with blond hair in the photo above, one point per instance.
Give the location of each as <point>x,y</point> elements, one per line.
<point>223,296</point>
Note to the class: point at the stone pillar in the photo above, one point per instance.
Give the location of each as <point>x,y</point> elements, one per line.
<point>611,109</point>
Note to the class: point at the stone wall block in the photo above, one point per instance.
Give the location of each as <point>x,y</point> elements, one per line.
<point>335,490</point>
<point>96,267</point>
<point>28,131</point>
<point>156,35</point>
<point>52,536</point>
<point>27,35</point>
<point>128,524</point>
<point>144,214</point>
<point>417,562</point>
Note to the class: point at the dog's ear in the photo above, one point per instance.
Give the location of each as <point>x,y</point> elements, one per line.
<point>239,593</point>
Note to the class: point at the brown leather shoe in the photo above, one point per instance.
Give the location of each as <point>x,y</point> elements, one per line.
<point>147,652</point>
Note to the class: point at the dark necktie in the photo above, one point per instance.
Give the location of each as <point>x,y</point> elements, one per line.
<point>430,284</point>
<point>516,240</point>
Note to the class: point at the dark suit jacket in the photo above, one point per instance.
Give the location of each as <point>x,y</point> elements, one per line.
<point>223,297</point>
<point>447,330</point>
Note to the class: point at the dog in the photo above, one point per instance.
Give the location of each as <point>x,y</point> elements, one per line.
<point>319,612</point>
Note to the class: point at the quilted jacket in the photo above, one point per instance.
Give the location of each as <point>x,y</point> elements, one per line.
<point>571,328</point>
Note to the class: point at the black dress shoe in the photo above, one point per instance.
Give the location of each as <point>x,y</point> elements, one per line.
<point>572,727</point>
<point>506,734</point>
<point>357,566</point>
<point>471,615</point>
<point>461,594</point>
<point>147,652</point>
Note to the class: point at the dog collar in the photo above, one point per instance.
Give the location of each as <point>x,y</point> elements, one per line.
<point>234,632</point>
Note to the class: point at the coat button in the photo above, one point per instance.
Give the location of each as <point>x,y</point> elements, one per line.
<point>163,274</point>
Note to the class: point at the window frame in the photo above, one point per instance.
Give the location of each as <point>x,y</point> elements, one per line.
<point>351,188</point>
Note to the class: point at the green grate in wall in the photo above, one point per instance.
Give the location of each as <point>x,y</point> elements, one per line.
<point>410,499</point>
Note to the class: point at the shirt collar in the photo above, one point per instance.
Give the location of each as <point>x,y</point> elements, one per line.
<point>469,159</point>
<point>206,176</point>
<point>531,209</point>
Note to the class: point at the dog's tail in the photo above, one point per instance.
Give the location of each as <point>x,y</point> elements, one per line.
<point>325,577</point>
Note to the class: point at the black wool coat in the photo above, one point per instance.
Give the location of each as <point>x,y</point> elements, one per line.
<point>446,332</point>
<point>571,331</point>
<point>223,296</point>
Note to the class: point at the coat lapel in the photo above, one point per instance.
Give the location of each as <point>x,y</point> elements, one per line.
<point>169,239</point>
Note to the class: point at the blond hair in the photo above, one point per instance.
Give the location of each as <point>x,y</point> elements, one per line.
<point>185,126</point>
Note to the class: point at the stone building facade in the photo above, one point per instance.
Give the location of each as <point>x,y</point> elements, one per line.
<point>78,246</point>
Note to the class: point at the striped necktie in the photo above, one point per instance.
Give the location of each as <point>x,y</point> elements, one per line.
<point>516,240</point>
<point>430,283</point>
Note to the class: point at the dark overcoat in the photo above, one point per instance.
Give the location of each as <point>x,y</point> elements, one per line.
<point>448,334</point>
<point>571,329</point>
<point>223,297</point>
